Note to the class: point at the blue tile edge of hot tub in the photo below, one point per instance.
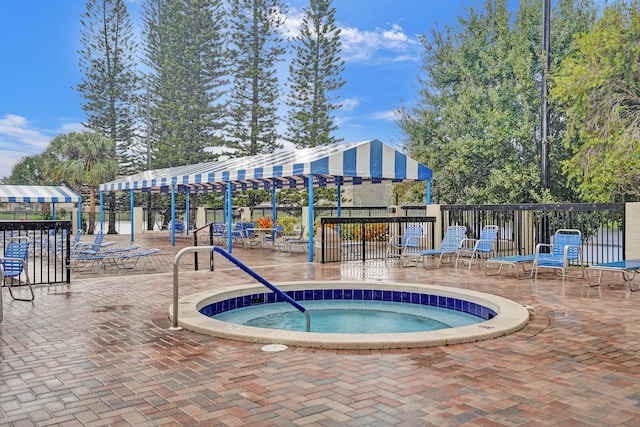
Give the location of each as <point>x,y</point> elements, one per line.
<point>450,303</point>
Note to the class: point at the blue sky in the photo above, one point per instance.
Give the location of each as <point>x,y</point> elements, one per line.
<point>39,40</point>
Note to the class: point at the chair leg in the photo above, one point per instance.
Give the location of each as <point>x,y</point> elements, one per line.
<point>9,286</point>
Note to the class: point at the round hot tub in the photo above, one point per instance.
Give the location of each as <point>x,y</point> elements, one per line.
<point>496,316</point>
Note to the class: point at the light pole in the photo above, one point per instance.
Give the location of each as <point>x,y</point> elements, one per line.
<point>544,112</point>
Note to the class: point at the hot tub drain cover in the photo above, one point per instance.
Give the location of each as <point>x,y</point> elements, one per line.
<point>274,347</point>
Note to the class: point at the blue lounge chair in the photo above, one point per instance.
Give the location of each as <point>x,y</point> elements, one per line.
<point>564,251</point>
<point>92,248</point>
<point>14,263</point>
<point>628,269</point>
<point>449,247</point>
<point>408,241</point>
<point>478,248</point>
<point>217,234</point>
<point>517,262</point>
<point>130,260</point>
<point>275,238</point>
<point>239,233</point>
<point>89,263</point>
<point>295,241</point>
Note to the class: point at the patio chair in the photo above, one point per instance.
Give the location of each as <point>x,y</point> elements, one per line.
<point>516,262</point>
<point>449,247</point>
<point>218,234</point>
<point>478,248</point>
<point>14,263</point>
<point>129,260</point>
<point>628,268</point>
<point>239,233</point>
<point>294,239</point>
<point>408,241</point>
<point>275,238</point>
<point>565,250</point>
<point>92,248</point>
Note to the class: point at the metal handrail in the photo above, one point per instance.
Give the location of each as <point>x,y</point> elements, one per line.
<point>243,267</point>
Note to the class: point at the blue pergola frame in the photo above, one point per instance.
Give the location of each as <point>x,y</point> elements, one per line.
<point>355,163</point>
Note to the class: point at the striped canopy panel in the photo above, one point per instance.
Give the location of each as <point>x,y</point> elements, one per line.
<point>37,194</point>
<point>353,163</point>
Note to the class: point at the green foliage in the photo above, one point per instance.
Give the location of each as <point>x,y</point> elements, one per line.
<point>598,86</point>
<point>313,74</point>
<point>409,192</point>
<point>33,170</point>
<point>256,47</point>
<point>84,158</point>
<point>288,222</point>
<point>371,233</point>
<point>477,120</point>
<point>185,52</point>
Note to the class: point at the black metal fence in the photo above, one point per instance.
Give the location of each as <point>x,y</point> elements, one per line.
<point>361,239</point>
<point>352,211</point>
<point>523,226</point>
<point>50,246</point>
<point>217,214</point>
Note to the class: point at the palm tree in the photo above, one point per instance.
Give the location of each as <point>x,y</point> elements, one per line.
<point>84,158</point>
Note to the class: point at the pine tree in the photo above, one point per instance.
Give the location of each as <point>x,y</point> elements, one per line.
<point>313,74</point>
<point>257,46</point>
<point>185,51</point>
<point>110,83</point>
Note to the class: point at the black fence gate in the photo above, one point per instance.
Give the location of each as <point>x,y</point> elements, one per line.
<point>49,248</point>
<point>361,239</point>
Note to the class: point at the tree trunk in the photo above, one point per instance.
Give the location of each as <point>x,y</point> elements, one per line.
<point>92,210</point>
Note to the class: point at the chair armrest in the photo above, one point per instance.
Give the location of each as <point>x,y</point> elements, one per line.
<point>11,259</point>
<point>410,241</point>
<point>468,243</point>
<point>393,239</point>
<point>542,245</point>
<point>566,250</point>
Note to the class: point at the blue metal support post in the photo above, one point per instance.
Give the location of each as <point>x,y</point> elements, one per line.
<point>229,219</point>
<point>132,215</point>
<point>173,215</point>
<point>187,216</point>
<point>101,210</point>
<point>311,215</point>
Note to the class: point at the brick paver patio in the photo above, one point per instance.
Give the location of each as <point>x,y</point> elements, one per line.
<point>99,352</point>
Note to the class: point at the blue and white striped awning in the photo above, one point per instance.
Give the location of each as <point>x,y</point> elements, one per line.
<point>353,163</point>
<point>37,194</point>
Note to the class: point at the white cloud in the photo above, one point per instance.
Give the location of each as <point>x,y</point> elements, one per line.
<point>16,128</point>
<point>19,138</point>
<point>381,44</point>
<point>293,22</point>
<point>71,127</point>
<point>389,115</point>
<point>349,104</point>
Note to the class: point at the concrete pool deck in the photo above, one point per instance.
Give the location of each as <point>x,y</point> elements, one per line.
<point>99,352</point>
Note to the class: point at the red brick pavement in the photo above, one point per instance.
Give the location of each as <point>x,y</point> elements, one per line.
<point>98,352</point>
